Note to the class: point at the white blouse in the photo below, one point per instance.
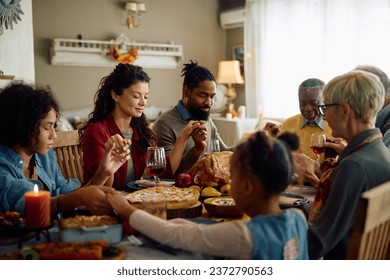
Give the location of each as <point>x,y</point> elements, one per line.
<point>229,239</point>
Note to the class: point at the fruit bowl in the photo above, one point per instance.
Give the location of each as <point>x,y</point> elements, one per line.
<point>222,207</point>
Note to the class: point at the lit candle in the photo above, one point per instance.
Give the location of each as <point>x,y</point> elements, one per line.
<point>37,208</point>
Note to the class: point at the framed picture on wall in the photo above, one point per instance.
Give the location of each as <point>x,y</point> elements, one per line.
<point>238,54</point>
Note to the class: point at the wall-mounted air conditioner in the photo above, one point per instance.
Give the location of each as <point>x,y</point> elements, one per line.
<point>232,18</point>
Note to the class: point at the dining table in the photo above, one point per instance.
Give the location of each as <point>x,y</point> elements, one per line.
<point>142,248</point>
<point>137,246</point>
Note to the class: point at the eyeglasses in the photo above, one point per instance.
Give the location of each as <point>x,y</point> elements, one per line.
<point>323,107</point>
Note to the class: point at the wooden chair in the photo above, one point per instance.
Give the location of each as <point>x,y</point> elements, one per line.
<point>370,238</point>
<point>69,155</point>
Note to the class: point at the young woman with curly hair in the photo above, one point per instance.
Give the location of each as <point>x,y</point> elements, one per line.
<point>28,117</point>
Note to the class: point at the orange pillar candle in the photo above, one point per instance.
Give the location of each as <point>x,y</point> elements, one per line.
<point>37,208</point>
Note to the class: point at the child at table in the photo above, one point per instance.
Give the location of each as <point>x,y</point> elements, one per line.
<point>261,168</point>
<point>28,117</point>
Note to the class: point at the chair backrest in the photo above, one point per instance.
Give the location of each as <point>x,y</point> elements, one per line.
<point>69,154</point>
<point>370,238</point>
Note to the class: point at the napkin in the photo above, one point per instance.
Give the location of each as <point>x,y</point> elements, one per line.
<point>147,183</point>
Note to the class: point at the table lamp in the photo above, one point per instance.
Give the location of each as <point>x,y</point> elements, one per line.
<point>229,73</point>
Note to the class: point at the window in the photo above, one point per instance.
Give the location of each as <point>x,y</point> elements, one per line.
<point>289,41</point>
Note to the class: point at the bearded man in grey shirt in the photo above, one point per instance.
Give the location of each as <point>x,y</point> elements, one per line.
<point>198,93</point>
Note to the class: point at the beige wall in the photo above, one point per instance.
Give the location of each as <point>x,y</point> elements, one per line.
<point>17,49</point>
<point>193,24</point>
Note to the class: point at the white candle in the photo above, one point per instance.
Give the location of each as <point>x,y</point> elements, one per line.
<point>260,122</point>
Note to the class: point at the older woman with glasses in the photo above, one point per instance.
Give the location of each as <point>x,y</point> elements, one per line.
<point>351,103</point>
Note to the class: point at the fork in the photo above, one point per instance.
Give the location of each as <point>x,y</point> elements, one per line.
<point>134,240</point>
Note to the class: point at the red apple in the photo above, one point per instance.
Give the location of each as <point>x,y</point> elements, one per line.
<point>183,180</point>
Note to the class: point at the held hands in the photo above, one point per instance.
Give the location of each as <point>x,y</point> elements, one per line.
<point>306,168</point>
<point>120,204</point>
<point>95,199</point>
<point>116,152</point>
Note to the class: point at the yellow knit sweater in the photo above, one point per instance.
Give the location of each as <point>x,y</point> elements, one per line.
<point>293,124</point>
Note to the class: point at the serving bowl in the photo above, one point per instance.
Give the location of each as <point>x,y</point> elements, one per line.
<point>89,228</point>
<point>222,207</point>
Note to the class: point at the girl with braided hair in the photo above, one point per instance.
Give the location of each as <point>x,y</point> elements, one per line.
<point>261,168</point>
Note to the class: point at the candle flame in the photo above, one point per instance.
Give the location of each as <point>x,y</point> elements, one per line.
<point>36,188</point>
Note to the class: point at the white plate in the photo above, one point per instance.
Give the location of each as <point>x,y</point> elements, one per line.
<point>219,99</point>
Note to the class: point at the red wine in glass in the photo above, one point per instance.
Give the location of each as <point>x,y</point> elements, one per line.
<point>317,142</point>
<point>318,149</point>
<point>155,170</point>
<point>155,162</point>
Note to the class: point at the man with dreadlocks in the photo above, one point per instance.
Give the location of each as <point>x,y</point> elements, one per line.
<point>197,98</point>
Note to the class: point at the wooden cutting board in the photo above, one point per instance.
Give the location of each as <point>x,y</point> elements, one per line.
<point>190,212</point>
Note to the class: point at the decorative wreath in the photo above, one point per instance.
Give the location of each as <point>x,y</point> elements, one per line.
<point>9,13</point>
<point>128,57</point>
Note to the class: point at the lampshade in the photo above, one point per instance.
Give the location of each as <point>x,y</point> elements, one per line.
<point>131,6</point>
<point>134,13</point>
<point>229,72</point>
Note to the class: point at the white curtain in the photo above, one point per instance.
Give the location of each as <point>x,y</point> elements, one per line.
<point>289,41</point>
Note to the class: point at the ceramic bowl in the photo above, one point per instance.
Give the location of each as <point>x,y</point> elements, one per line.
<point>222,207</point>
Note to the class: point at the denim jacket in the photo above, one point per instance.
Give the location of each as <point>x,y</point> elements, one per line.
<point>278,237</point>
<point>13,183</point>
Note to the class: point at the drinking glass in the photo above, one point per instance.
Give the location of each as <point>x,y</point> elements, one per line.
<point>155,162</point>
<point>317,142</point>
<point>214,147</point>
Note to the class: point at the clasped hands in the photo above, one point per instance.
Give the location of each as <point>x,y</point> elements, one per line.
<point>116,152</point>
<point>198,131</point>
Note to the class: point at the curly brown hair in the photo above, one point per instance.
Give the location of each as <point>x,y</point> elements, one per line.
<point>22,107</point>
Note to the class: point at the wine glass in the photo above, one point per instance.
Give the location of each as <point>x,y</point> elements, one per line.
<point>317,144</point>
<point>155,162</point>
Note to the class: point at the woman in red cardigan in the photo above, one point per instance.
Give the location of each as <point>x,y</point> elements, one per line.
<point>118,122</point>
